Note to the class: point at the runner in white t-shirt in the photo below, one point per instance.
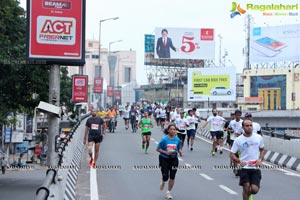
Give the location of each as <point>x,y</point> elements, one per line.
<point>256,126</point>
<point>251,147</point>
<point>181,127</point>
<point>191,129</point>
<point>216,124</point>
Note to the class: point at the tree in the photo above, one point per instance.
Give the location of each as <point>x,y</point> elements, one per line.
<point>19,81</point>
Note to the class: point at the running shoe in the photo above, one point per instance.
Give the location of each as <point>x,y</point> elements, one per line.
<point>91,162</point>
<point>191,149</point>
<point>94,165</point>
<point>250,197</point>
<point>146,152</point>
<point>221,152</point>
<point>168,195</point>
<point>161,185</point>
<point>213,153</point>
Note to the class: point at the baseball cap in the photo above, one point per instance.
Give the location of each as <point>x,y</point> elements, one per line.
<point>247,114</point>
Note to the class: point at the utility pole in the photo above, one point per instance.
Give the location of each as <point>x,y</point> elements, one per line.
<point>53,122</point>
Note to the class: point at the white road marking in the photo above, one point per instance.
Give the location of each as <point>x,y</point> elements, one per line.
<point>206,177</point>
<point>180,159</point>
<point>152,139</point>
<point>227,189</point>
<point>93,182</point>
<point>155,142</point>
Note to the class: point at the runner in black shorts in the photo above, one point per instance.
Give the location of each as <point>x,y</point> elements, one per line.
<point>94,130</point>
<point>251,146</point>
<point>169,147</point>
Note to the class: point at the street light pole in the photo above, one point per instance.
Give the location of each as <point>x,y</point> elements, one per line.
<point>99,60</point>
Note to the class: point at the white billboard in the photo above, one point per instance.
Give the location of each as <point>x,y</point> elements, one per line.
<point>212,84</point>
<point>184,43</point>
<point>275,43</point>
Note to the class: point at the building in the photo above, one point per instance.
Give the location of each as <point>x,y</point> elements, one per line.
<point>271,89</point>
<point>125,70</point>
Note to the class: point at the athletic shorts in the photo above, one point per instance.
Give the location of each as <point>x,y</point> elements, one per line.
<point>168,167</point>
<point>217,134</point>
<point>146,133</point>
<point>162,119</point>
<point>252,176</point>
<point>96,139</point>
<point>230,142</point>
<point>191,133</point>
<point>125,118</point>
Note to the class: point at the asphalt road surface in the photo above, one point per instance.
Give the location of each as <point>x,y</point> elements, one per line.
<point>124,171</point>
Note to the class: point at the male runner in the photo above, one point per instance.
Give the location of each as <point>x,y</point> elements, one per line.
<point>251,146</point>
<point>145,124</point>
<point>94,131</point>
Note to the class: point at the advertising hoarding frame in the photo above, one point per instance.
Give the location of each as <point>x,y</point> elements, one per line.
<point>211,84</point>
<point>55,59</point>
<point>98,85</point>
<point>84,97</point>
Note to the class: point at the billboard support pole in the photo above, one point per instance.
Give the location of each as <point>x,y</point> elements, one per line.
<point>53,122</point>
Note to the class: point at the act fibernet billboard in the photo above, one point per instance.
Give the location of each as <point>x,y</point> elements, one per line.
<point>56,31</point>
<point>212,84</point>
<point>184,43</point>
<point>275,43</point>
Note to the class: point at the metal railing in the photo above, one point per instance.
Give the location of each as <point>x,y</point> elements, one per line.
<point>43,192</point>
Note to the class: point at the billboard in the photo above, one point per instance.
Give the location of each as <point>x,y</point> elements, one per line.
<point>275,43</point>
<point>7,136</point>
<point>79,88</point>
<point>98,85</point>
<point>22,147</point>
<point>184,43</point>
<point>211,84</point>
<point>56,31</point>
<point>150,60</point>
<point>109,91</point>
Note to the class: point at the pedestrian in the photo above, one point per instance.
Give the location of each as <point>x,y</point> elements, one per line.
<point>251,147</point>
<point>169,147</point>
<point>94,132</point>
<point>3,165</point>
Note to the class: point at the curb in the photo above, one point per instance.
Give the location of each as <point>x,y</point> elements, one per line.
<point>270,156</point>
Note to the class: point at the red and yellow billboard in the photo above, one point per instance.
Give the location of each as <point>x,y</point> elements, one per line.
<point>56,31</point>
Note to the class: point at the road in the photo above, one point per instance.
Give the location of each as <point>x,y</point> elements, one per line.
<point>123,173</point>
<point>21,184</point>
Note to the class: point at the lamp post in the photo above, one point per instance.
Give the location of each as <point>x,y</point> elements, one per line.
<point>99,60</point>
<point>112,66</point>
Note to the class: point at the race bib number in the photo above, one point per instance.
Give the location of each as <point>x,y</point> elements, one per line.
<point>146,126</point>
<point>95,126</point>
<point>181,127</point>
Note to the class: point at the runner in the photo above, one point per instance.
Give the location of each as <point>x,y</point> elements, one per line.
<point>191,130</point>
<point>236,127</point>
<point>256,127</point>
<point>132,114</point>
<point>228,131</point>
<point>162,118</point>
<point>197,116</point>
<point>216,130</point>
<point>181,127</point>
<point>145,125</point>
<point>101,113</point>
<point>126,117</point>
<point>94,130</point>
<point>251,147</point>
<point>169,147</point>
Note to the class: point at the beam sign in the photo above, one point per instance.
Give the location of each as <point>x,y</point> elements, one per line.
<point>56,32</point>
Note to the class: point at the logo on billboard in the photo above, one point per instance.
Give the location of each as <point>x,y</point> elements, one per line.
<point>236,10</point>
<point>79,82</point>
<point>57,4</point>
<point>207,34</point>
<point>56,30</point>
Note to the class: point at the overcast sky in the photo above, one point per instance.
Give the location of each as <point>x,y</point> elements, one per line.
<point>139,17</point>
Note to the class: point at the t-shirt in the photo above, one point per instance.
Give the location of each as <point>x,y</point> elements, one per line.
<point>162,113</point>
<point>249,148</point>
<point>132,114</point>
<point>111,113</point>
<point>256,127</point>
<point>236,127</point>
<point>172,145</point>
<point>181,125</point>
<point>216,123</point>
<point>191,120</point>
<point>126,114</point>
<point>95,125</point>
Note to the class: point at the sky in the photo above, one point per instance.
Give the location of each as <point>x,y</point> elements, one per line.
<point>140,17</point>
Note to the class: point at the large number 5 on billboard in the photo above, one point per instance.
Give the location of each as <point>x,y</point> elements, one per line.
<point>188,44</point>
